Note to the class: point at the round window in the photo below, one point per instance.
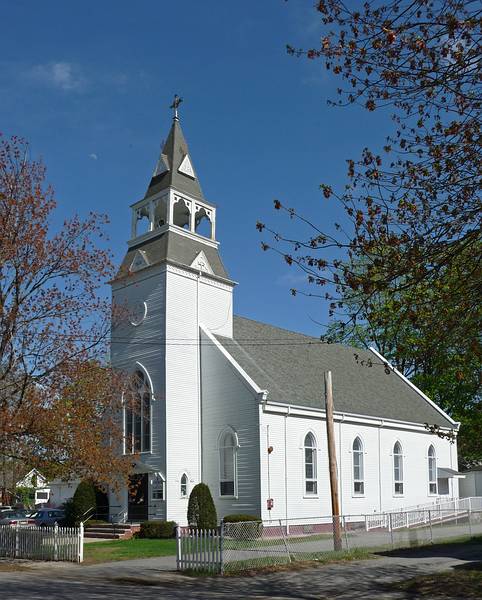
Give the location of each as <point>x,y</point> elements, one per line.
<point>138,313</point>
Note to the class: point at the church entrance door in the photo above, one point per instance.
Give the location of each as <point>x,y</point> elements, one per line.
<point>138,498</point>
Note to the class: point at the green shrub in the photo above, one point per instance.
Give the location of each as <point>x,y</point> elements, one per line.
<point>251,528</point>
<point>157,530</point>
<point>82,501</point>
<point>239,518</point>
<point>201,511</point>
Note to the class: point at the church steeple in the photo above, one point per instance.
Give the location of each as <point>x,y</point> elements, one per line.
<point>174,167</point>
<point>173,222</point>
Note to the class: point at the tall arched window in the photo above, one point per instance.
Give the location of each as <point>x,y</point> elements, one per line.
<point>311,483</point>
<point>227,463</point>
<point>138,416</point>
<point>358,476</point>
<point>183,485</point>
<point>398,469</point>
<point>432,471</point>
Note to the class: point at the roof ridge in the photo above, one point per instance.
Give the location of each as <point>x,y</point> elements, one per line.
<point>311,337</point>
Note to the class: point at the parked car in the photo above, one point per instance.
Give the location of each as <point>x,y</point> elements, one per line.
<point>14,517</point>
<point>48,516</point>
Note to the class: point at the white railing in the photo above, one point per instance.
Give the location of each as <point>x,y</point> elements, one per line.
<point>423,513</point>
<point>199,549</point>
<point>42,543</point>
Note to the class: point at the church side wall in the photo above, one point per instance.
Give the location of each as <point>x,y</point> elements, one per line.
<point>144,344</point>
<point>227,401</point>
<point>286,486</point>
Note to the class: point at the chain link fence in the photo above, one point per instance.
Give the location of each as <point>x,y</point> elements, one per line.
<point>251,545</point>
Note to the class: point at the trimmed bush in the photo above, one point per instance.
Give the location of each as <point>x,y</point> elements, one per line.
<point>158,530</point>
<point>251,529</point>
<point>201,511</point>
<point>239,518</point>
<point>82,501</point>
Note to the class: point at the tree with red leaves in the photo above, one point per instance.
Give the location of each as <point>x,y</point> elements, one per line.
<point>59,402</point>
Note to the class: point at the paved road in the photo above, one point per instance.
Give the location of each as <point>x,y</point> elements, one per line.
<point>144,579</point>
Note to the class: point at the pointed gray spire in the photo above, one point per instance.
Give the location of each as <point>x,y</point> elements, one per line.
<point>174,166</point>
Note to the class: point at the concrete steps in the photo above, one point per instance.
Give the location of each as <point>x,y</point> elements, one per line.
<point>107,531</point>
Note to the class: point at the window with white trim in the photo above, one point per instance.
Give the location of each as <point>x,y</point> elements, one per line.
<point>358,475</point>
<point>184,485</point>
<point>157,487</point>
<point>137,416</point>
<point>309,446</point>
<point>432,471</point>
<point>397,469</point>
<point>227,463</point>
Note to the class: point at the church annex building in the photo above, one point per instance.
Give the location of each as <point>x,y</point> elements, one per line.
<point>218,390</point>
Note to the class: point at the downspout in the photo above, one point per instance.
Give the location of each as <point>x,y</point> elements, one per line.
<point>380,466</point>
<point>286,469</point>
<point>340,464</point>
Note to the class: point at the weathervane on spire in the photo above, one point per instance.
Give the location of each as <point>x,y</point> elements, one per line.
<point>175,106</point>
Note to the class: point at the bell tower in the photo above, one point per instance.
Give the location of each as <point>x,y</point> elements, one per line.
<point>171,281</point>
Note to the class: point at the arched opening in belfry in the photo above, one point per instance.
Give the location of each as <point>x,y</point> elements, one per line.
<point>181,214</point>
<point>202,223</point>
<point>160,213</point>
<point>143,224</point>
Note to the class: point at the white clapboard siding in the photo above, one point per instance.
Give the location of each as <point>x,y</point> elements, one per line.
<point>42,543</point>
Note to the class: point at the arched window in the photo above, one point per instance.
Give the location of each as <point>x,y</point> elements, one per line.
<point>358,476</point>
<point>432,471</point>
<point>137,417</point>
<point>398,469</point>
<point>184,485</point>
<point>227,463</point>
<point>311,483</point>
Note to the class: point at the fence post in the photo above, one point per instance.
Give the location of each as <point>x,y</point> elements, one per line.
<point>390,528</point>
<point>56,542</point>
<point>430,523</point>
<point>81,542</point>
<point>178,548</point>
<point>470,523</point>
<point>221,548</point>
<point>346,535</point>
<point>284,541</point>
<point>17,541</point>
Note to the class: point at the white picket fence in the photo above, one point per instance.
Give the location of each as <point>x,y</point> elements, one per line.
<point>42,543</point>
<point>200,549</point>
<point>423,513</point>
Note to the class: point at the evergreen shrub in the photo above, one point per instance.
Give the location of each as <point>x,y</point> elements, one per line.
<point>82,501</point>
<point>252,528</point>
<point>201,512</point>
<point>157,530</point>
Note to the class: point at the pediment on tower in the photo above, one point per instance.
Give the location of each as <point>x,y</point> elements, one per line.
<point>140,261</point>
<point>201,263</point>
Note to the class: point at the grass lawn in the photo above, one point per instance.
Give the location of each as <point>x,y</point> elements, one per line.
<point>449,584</point>
<point>99,552</point>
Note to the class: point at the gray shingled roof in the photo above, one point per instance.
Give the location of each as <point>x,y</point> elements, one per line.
<point>172,155</point>
<point>291,366</point>
<point>173,247</point>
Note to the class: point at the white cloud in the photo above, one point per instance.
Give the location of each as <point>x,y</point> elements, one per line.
<point>62,75</point>
<point>291,278</point>
<point>93,156</point>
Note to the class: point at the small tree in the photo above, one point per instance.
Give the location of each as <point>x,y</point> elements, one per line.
<point>83,499</point>
<point>201,511</point>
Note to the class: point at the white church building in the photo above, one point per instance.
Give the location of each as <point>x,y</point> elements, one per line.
<point>239,404</point>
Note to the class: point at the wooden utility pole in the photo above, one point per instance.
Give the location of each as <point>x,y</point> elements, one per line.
<point>330,433</point>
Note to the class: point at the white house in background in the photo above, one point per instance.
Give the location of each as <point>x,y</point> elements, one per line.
<point>471,485</point>
<point>217,390</point>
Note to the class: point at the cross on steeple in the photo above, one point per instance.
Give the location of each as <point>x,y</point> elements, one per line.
<point>175,105</point>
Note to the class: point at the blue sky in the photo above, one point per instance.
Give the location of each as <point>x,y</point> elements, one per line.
<point>89,85</point>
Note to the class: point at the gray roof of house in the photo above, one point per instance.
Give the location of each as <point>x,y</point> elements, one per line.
<point>167,173</point>
<point>173,247</point>
<point>291,365</point>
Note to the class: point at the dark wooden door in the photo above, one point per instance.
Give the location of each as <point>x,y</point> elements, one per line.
<point>138,500</point>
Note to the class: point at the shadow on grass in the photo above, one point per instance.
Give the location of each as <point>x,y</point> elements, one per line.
<point>464,548</point>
